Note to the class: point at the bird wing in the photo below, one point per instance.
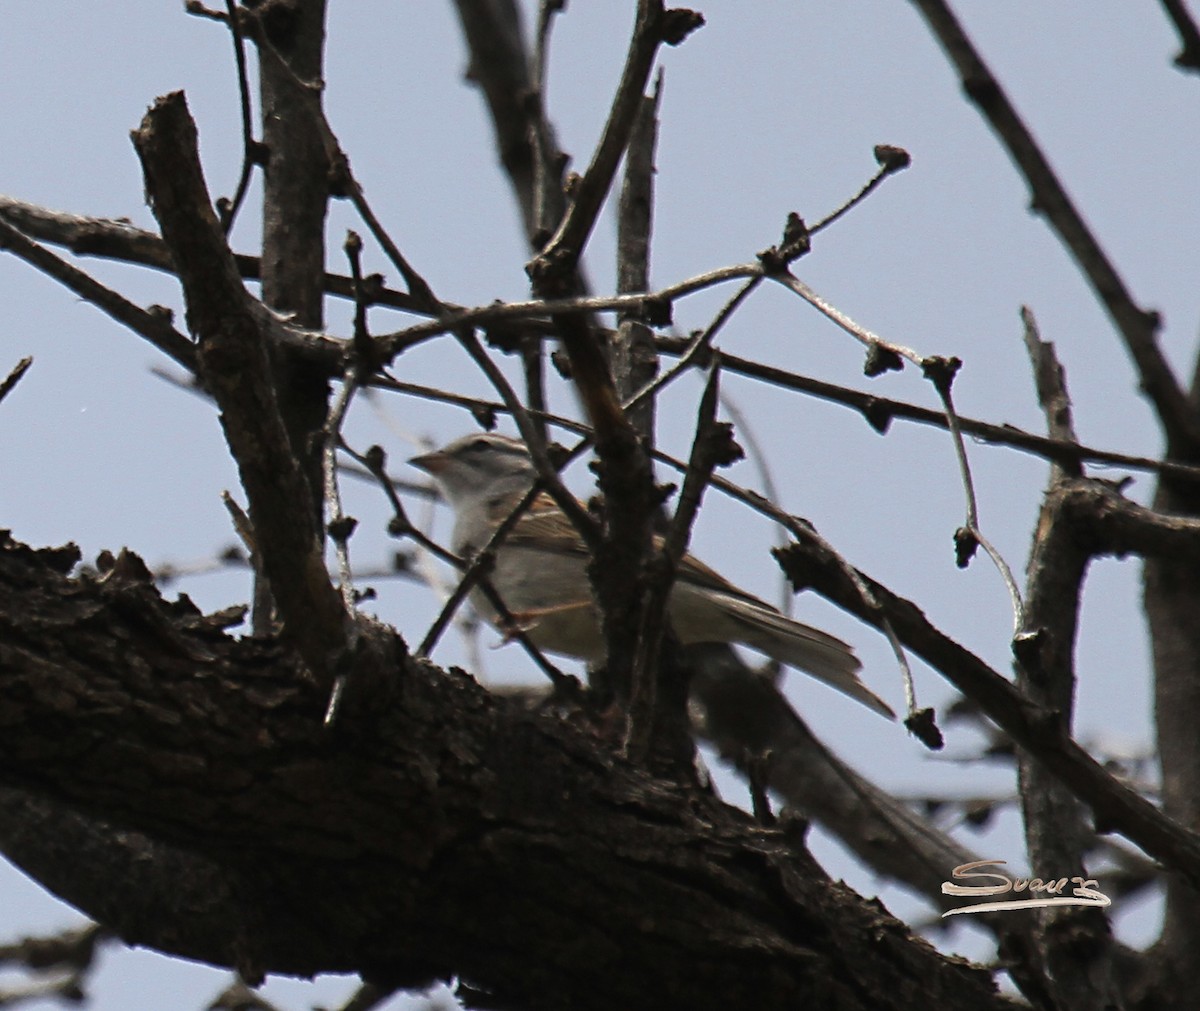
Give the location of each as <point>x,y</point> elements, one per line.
<point>545,527</point>
<point>760,625</point>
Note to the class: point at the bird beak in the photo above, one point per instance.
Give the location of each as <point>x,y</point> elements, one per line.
<point>431,463</point>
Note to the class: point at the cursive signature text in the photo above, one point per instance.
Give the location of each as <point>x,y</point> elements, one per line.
<point>1085,891</point>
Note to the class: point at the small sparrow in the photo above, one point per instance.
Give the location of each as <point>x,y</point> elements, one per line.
<point>540,573</point>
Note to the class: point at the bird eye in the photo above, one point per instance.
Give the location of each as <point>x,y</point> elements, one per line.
<point>478,446</point>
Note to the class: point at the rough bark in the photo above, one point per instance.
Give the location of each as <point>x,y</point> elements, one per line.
<point>176,783</point>
<point>1075,943</point>
<point>295,196</point>
<point>1171,598</point>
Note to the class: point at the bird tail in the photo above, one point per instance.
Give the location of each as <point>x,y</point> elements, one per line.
<point>808,649</point>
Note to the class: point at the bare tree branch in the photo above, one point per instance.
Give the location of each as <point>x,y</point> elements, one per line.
<point>291,42</point>
<point>634,358</point>
<point>658,697</point>
<point>1138,328</point>
<point>9,382</point>
<point>1189,35</point>
<point>558,259</point>
<point>234,363</point>
<point>154,326</point>
<point>1075,943</point>
<point>252,152</point>
<point>879,412</point>
<point>1115,806</point>
<point>119,240</point>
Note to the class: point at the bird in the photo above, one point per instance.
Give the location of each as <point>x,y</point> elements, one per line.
<point>540,573</point>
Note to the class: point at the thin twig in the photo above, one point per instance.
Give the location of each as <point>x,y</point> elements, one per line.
<point>634,358</point>
<point>756,455</point>
<point>228,209</point>
<point>941,373</point>
<point>1051,386</point>
<point>475,574</point>
<point>533,364</point>
<point>196,8</point>
<point>309,91</point>
<point>1048,448</point>
<point>535,312</point>
<point>697,349</point>
<point>374,461</point>
<point>891,160</point>
<point>1115,805</point>
<point>477,406</point>
<point>651,695</point>
<point>338,520</point>
<point>14,376</point>
<point>547,9</point>
<point>119,240</point>
<point>547,202</point>
<point>363,346</point>
<point>340,526</point>
<point>712,446</point>
<point>561,254</point>
<point>878,411</point>
<point>262,611</point>
<point>872,341</point>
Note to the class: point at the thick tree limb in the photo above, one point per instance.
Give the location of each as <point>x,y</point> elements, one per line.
<point>751,724</point>
<point>291,44</point>
<point>1076,943</point>
<point>235,366</point>
<point>1172,600</point>
<point>451,833</point>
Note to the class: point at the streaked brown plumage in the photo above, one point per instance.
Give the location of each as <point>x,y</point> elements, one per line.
<point>541,574</point>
